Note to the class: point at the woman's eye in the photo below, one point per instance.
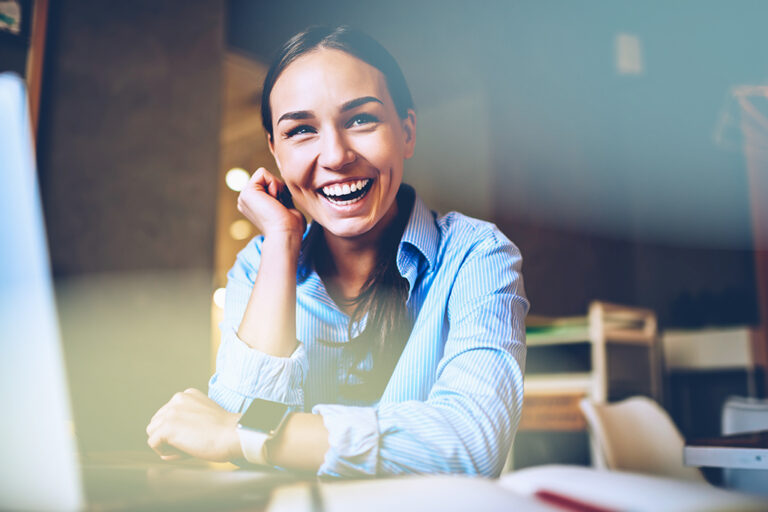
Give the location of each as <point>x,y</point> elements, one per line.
<point>299,130</point>
<point>362,119</point>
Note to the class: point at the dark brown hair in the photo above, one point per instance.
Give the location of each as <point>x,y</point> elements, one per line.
<point>346,39</point>
<point>383,296</point>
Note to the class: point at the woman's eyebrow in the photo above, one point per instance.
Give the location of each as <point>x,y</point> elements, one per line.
<point>298,115</point>
<point>349,105</point>
<point>359,101</point>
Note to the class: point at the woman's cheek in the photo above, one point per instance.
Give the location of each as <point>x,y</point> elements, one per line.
<point>294,167</point>
<point>288,170</point>
<point>381,151</point>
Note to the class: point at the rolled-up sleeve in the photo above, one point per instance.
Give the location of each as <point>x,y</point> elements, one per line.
<point>353,439</point>
<point>468,422</point>
<point>243,373</point>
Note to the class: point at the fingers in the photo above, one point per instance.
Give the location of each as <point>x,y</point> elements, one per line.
<point>264,180</point>
<point>259,197</point>
<point>156,438</point>
<point>158,419</point>
<point>166,451</point>
<point>177,403</point>
<point>260,202</point>
<point>274,188</point>
<point>162,423</point>
<point>172,453</point>
<point>191,424</point>
<point>175,456</point>
<point>158,444</point>
<point>167,420</point>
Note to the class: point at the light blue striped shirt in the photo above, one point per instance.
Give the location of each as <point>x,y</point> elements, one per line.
<point>454,399</point>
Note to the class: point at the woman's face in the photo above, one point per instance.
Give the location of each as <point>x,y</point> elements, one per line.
<point>338,140</point>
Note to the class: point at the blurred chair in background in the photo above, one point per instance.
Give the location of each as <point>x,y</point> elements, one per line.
<point>637,435</point>
<point>742,415</point>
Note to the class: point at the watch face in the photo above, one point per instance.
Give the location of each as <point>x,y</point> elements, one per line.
<point>263,415</point>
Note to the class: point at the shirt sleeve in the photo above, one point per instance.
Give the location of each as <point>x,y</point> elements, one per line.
<point>243,373</point>
<point>468,422</point>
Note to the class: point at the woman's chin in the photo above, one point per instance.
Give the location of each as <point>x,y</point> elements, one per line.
<point>353,220</point>
<point>348,228</point>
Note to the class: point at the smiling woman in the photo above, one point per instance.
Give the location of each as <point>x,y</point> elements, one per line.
<point>381,339</point>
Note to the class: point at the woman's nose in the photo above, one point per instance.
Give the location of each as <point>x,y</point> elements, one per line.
<point>335,153</point>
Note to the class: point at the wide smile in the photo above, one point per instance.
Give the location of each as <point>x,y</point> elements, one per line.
<point>342,194</point>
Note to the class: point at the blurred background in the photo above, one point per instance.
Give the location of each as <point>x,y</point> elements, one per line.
<point>620,145</point>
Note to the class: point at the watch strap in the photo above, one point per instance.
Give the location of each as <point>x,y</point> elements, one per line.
<point>253,442</point>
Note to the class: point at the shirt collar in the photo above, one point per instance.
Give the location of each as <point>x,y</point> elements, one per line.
<point>420,233</point>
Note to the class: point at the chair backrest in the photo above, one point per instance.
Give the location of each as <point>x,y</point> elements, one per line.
<point>637,435</point>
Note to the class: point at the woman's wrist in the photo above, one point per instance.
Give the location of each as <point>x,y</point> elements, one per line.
<point>283,241</point>
<point>300,444</point>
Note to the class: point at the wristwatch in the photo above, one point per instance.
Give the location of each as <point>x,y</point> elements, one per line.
<point>260,423</point>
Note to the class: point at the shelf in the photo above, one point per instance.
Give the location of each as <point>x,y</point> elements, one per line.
<point>556,336</point>
<point>560,383</point>
<point>630,337</point>
<point>603,355</point>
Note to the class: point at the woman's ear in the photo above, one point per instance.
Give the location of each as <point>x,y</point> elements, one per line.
<point>271,144</point>
<point>409,129</point>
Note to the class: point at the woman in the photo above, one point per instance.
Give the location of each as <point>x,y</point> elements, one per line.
<point>394,335</point>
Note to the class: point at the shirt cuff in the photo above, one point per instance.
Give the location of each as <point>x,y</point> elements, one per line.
<point>353,436</point>
<point>251,373</point>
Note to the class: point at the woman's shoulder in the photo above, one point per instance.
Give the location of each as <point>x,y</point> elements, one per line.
<point>458,230</point>
<point>252,249</point>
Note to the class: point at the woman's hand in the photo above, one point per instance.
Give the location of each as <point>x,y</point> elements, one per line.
<point>258,202</point>
<point>193,424</point>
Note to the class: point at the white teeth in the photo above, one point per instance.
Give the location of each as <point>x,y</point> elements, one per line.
<point>346,188</point>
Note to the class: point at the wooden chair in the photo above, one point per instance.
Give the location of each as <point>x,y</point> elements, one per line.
<point>637,435</point>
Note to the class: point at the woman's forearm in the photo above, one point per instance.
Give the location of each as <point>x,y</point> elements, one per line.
<point>301,443</point>
<point>269,321</point>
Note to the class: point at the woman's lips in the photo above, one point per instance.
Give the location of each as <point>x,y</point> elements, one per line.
<point>342,194</point>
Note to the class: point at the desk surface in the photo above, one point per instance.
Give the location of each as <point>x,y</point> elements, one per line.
<point>746,451</point>
<point>404,494</point>
<point>141,481</point>
<point>583,488</point>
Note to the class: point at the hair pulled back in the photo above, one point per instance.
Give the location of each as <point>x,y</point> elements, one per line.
<point>346,39</point>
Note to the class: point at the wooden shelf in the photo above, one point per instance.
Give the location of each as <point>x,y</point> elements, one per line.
<point>594,356</point>
<point>559,383</point>
<point>556,336</point>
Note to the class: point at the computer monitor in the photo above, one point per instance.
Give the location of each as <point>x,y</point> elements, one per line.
<point>38,460</point>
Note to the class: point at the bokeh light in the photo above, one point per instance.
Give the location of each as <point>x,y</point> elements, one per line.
<point>237,178</point>
<point>218,297</point>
